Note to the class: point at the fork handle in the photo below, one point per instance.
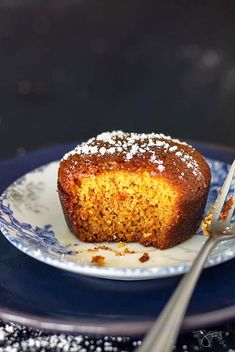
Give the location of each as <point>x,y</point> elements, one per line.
<point>164,332</point>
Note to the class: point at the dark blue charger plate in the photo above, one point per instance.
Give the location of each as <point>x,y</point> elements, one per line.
<point>35,294</point>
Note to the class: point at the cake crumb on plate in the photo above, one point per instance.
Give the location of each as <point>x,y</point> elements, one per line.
<point>98,260</point>
<point>144,258</point>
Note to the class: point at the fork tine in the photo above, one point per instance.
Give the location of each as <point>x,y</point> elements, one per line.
<point>219,203</point>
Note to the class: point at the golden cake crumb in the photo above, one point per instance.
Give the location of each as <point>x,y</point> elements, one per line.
<point>144,258</point>
<point>104,248</point>
<point>121,244</point>
<point>118,254</point>
<point>206,223</point>
<point>98,260</point>
<point>128,251</point>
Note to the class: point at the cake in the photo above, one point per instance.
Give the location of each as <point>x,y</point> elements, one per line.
<point>130,187</point>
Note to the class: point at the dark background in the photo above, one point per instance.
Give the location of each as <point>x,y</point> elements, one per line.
<point>70,69</point>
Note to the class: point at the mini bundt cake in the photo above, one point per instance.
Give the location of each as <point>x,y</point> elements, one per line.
<point>130,187</point>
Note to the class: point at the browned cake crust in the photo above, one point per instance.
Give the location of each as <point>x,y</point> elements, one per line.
<point>179,165</point>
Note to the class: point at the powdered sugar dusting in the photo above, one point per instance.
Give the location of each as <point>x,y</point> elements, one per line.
<point>190,162</point>
<point>161,168</point>
<point>121,142</point>
<point>130,145</point>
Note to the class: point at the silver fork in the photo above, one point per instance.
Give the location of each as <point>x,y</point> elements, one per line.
<point>163,334</point>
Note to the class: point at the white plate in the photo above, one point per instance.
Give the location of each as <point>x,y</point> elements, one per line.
<point>32,220</point>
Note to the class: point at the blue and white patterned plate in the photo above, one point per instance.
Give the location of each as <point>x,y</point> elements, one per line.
<point>32,220</point>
